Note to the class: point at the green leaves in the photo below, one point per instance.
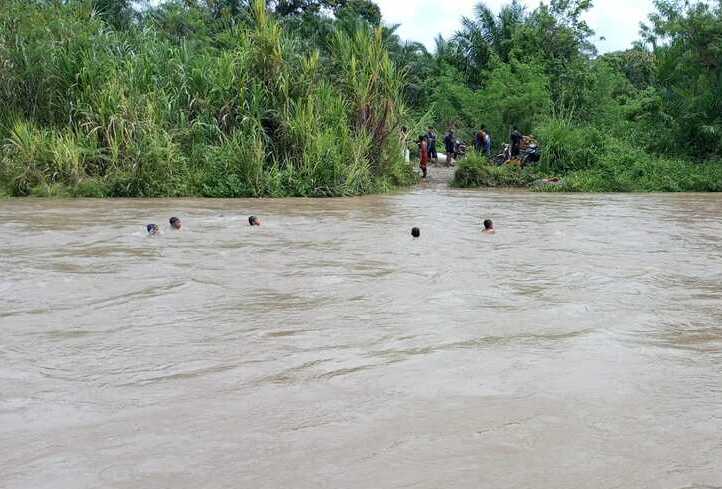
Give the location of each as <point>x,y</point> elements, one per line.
<point>191,101</point>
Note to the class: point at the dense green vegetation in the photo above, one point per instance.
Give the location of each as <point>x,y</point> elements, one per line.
<point>227,98</point>
<point>190,100</point>
<point>648,119</point>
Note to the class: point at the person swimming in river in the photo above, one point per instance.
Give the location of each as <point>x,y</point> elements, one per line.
<point>254,221</point>
<point>153,229</point>
<point>424,155</point>
<point>175,223</point>
<point>489,227</point>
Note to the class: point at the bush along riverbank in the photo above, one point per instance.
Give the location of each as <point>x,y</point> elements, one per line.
<point>182,102</point>
<point>584,160</point>
<point>645,119</point>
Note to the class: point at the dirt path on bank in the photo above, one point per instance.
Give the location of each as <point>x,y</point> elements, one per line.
<point>438,176</point>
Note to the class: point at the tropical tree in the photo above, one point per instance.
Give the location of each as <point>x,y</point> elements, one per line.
<point>485,37</point>
<point>359,9</point>
<point>686,41</point>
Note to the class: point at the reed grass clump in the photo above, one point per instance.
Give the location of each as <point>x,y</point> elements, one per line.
<point>183,104</point>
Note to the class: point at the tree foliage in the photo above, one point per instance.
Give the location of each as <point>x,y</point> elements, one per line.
<point>685,103</point>
<point>306,97</point>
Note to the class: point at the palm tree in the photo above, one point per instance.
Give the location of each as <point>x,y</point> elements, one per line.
<point>484,37</point>
<point>486,32</point>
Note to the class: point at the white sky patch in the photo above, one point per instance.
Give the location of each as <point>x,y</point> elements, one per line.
<point>422,20</point>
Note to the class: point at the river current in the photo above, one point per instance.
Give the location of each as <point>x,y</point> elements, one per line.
<point>579,347</point>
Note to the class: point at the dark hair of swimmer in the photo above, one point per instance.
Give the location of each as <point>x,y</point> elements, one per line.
<point>488,224</point>
<point>152,228</point>
<point>415,232</point>
<point>253,221</point>
<point>175,223</point>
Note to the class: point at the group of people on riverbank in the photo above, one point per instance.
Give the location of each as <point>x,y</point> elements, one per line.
<point>428,152</point>
<point>454,147</point>
<point>521,149</point>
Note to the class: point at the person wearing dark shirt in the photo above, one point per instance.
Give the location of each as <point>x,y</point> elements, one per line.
<point>516,138</point>
<point>450,145</point>
<point>479,141</point>
<point>487,142</point>
<point>431,138</point>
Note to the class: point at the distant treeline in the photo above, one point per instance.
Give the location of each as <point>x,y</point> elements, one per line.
<point>227,98</point>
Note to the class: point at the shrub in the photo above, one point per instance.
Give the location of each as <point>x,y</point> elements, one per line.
<point>91,188</point>
<point>638,172</point>
<point>475,171</point>
<point>568,147</point>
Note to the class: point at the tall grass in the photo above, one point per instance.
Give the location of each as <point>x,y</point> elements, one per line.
<point>185,105</point>
<point>587,160</point>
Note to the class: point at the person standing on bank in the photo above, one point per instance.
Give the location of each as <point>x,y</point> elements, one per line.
<point>487,142</point>
<point>423,155</point>
<point>450,146</point>
<point>431,135</point>
<point>515,138</point>
<point>479,141</point>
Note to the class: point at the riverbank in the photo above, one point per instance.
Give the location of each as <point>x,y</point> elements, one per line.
<point>630,174</point>
<point>277,186</point>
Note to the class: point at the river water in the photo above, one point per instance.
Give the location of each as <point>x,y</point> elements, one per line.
<point>580,347</point>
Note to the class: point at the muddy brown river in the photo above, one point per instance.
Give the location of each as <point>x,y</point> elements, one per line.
<point>580,347</point>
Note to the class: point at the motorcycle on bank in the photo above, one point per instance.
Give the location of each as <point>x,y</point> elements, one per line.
<point>529,154</point>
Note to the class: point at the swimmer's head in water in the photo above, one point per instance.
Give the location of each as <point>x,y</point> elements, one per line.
<point>152,229</point>
<point>175,223</point>
<point>416,232</point>
<point>254,221</point>
<point>488,224</point>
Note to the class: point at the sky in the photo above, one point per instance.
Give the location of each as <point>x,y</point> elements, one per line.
<point>421,20</point>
